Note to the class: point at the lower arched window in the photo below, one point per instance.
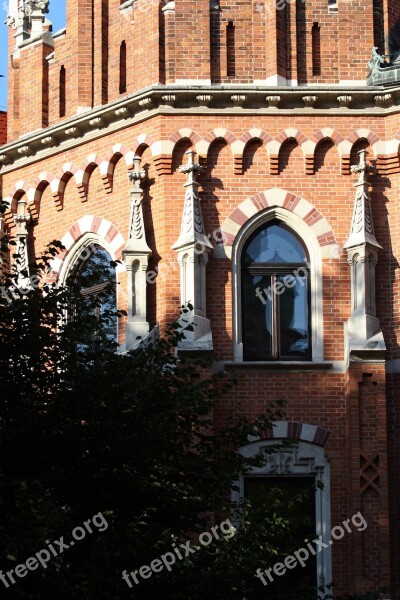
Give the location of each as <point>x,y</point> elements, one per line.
<point>297,479</point>
<point>275,282</point>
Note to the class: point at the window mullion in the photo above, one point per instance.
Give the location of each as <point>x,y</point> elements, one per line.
<point>275,318</point>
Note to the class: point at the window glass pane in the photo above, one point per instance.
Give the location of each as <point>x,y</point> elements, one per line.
<point>293,499</point>
<point>96,275</point>
<point>293,315</point>
<point>274,244</point>
<point>96,269</point>
<point>257,317</point>
<point>276,312</point>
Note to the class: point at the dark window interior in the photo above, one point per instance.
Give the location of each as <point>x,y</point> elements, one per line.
<point>294,498</point>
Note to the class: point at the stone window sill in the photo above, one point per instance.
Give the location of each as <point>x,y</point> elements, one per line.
<point>260,366</point>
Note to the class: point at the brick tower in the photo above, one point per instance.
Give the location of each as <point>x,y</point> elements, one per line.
<point>210,146</point>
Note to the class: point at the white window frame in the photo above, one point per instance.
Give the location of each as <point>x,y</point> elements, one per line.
<point>74,253</point>
<point>296,223</point>
<point>303,459</point>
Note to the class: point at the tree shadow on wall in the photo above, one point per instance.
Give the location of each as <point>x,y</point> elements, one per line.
<point>218,268</point>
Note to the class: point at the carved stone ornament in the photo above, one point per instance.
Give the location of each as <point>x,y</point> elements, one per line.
<point>11,21</point>
<point>33,5</point>
<point>136,229</point>
<point>204,99</point>
<point>344,101</point>
<point>22,218</point>
<point>192,248</point>
<point>273,101</point>
<point>363,327</point>
<point>362,228</point>
<point>136,256</point>
<point>192,228</point>
<point>288,461</point>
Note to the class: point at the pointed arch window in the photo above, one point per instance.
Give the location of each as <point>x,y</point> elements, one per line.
<point>275,295</point>
<point>95,274</point>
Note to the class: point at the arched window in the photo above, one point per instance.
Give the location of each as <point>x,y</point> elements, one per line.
<point>275,295</point>
<point>301,470</point>
<point>94,272</point>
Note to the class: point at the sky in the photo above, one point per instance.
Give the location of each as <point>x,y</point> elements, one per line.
<point>56,16</point>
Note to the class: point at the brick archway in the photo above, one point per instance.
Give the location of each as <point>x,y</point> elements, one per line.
<point>277,197</point>
<point>87,225</point>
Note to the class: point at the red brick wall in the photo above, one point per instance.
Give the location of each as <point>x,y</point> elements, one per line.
<point>3,127</point>
<point>187,44</point>
<point>356,403</point>
<point>349,403</point>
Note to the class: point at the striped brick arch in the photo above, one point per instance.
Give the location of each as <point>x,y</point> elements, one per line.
<point>88,224</point>
<point>298,431</point>
<point>282,198</point>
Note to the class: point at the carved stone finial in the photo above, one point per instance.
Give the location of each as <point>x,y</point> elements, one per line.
<point>36,5</point>
<point>192,229</point>
<point>362,228</point>
<point>136,256</point>
<point>137,237</point>
<point>363,169</point>
<point>363,327</point>
<point>22,218</point>
<point>137,175</point>
<point>192,248</point>
<point>191,169</point>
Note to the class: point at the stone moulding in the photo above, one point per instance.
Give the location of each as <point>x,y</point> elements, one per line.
<point>187,99</point>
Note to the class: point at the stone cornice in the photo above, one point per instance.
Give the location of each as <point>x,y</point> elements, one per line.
<point>200,100</point>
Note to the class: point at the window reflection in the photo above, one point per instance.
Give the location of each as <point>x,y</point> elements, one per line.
<point>274,244</point>
<point>275,296</point>
<point>95,275</point>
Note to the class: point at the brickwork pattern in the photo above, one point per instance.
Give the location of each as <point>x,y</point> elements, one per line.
<point>3,127</point>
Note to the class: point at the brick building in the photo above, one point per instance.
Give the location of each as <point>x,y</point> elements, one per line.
<point>282,260</point>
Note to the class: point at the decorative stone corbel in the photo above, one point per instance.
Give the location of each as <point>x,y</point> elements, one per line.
<point>364,331</point>
<point>192,248</point>
<point>136,257</point>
